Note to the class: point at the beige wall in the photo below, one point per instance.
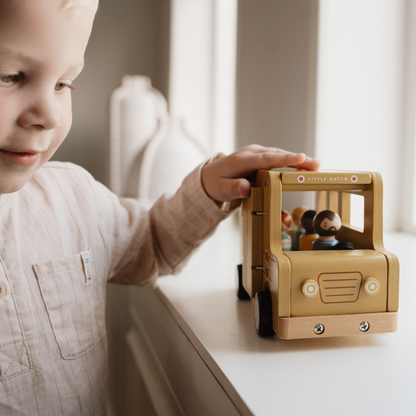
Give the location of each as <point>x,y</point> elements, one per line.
<point>276,73</point>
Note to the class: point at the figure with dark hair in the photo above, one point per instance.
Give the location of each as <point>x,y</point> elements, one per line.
<point>306,239</point>
<point>299,230</point>
<point>326,224</point>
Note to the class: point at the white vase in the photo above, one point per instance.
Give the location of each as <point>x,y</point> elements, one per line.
<point>166,159</point>
<point>136,111</point>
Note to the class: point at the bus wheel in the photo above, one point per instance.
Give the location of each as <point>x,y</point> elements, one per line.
<point>241,292</point>
<point>263,316</point>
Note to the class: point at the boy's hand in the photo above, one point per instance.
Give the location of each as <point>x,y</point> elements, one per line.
<point>225,179</point>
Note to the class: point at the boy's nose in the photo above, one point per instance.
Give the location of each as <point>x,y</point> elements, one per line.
<point>41,112</point>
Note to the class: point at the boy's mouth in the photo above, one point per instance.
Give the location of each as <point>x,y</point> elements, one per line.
<point>20,158</point>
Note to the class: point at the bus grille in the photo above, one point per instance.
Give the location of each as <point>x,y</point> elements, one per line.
<point>340,287</point>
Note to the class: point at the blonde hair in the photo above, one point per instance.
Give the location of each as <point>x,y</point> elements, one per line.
<point>71,4</point>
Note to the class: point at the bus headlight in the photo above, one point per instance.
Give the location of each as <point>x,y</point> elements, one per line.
<point>310,288</point>
<point>371,286</point>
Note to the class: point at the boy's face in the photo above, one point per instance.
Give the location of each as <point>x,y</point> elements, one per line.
<point>41,52</point>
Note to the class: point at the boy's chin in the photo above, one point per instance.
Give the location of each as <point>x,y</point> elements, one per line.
<point>10,189</point>
<point>11,185</point>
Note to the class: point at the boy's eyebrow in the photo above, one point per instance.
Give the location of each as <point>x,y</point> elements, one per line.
<point>4,50</point>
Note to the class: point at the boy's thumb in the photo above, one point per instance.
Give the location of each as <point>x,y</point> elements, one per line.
<point>244,188</point>
<point>231,189</point>
<point>238,188</point>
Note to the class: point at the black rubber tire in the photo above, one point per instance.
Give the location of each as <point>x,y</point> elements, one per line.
<point>263,314</point>
<point>241,292</point>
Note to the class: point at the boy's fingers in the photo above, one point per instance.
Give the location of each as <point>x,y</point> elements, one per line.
<point>224,178</point>
<point>245,163</point>
<point>308,164</point>
<point>270,160</point>
<point>256,148</point>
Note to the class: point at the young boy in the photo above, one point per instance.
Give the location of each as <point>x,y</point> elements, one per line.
<point>63,235</point>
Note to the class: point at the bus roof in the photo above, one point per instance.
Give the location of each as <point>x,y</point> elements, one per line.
<point>325,178</point>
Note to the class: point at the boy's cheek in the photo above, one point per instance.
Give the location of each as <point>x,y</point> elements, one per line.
<point>63,130</point>
<point>68,121</point>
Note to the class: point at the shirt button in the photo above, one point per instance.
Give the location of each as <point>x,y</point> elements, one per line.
<point>2,290</point>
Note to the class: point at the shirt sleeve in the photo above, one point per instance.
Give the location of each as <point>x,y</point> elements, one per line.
<point>145,244</point>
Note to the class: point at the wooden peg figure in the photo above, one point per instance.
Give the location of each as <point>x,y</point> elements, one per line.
<point>286,239</point>
<point>326,224</point>
<point>299,230</point>
<point>306,240</point>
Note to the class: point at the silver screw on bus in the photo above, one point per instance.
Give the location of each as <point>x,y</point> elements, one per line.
<point>364,326</point>
<point>319,329</point>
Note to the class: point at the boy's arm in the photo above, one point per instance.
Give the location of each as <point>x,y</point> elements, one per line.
<point>225,179</point>
<point>146,244</point>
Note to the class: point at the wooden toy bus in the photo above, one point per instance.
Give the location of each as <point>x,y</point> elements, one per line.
<point>318,293</point>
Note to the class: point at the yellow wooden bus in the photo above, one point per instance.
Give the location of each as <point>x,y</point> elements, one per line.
<point>318,293</point>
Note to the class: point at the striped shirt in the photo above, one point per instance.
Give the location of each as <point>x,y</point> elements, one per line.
<point>64,236</point>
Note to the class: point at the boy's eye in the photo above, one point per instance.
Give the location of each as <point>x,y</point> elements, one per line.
<point>10,79</point>
<point>61,86</point>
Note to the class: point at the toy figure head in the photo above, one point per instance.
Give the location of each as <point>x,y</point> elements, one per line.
<point>297,213</point>
<point>286,220</point>
<point>327,223</point>
<point>306,220</point>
